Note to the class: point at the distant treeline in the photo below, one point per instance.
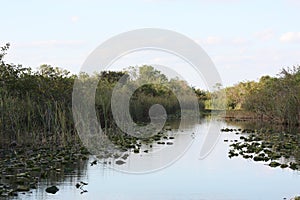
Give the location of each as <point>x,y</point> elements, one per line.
<point>275,99</point>
<point>40,101</point>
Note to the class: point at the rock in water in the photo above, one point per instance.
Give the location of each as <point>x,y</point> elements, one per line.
<point>120,162</point>
<point>52,189</point>
<point>94,163</point>
<point>22,188</point>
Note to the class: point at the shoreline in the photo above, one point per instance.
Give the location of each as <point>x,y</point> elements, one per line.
<point>246,116</point>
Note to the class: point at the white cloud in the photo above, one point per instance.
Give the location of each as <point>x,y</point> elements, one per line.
<point>233,59</point>
<point>210,40</point>
<point>74,18</point>
<point>265,34</point>
<point>213,40</point>
<point>51,43</point>
<point>195,1</point>
<point>240,41</point>
<point>293,2</point>
<point>225,42</point>
<point>290,37</point>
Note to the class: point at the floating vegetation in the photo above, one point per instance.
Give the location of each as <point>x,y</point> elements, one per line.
<point>37,129</point>
<point>94,163</point>
<point>136,145</point>
<point>80,186</point>
<point>276,149</point>
<point>52,189</point>
<point>120,162</point>
<point>23,166</point>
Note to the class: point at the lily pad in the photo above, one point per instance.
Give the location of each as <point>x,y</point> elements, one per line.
<point>23,188</point>
<point>52,189</point>
<point>120,162</point>
<point>274,164</point>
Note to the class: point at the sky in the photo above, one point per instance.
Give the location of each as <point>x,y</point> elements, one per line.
<point>244,39</point>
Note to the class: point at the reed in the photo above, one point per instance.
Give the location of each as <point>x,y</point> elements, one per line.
<point>39,103</point>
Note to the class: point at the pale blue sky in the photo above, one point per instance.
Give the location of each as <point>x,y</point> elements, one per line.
<point>245,39</point>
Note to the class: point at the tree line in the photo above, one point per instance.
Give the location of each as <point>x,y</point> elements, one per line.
<point>275,99</point>
<point>40,101</point>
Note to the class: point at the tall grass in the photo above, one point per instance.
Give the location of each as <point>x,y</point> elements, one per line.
<point>277,98</point>
<point>39,103</point>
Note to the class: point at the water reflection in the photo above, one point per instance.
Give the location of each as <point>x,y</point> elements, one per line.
<point>268,142</point>
<point>215,177</point>
<point>259,125</point>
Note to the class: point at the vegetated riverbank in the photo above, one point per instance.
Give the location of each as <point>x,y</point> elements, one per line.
<point>266,145</point>
<point>271,99</point>
<point>240,115</point>
<point>273,145</point>
<point>231,115</point>
<point>23,165</point>
<point>275,99</point>
<point>39,138</point>
<point>262,139</point>
<point>37,129</point>
<point>247,116</point>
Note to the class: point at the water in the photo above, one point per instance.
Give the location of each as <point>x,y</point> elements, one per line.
<point>213,178</point>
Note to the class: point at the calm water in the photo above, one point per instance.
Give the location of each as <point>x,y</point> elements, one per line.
<point>215,177</point>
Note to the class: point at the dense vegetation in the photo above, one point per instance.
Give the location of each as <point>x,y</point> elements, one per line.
<point>36,115</point>
<point>274,99</point>
<point>35,102</point>
<point>40,101</point>
<point>163,91</point>
<point>38,135</point>
<point>37,130</point>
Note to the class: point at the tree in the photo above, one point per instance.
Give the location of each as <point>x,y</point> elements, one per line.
<point>4,50</point>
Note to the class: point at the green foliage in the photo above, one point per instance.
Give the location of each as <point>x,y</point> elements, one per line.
<point>277,98</point>
<point>235,95</point>
<point>160,91</point>
<point>40,101</point>
<point>107,81</point>
<point>151,94</point>
<point>212,100</point>
<point>3,51</point>
<point>35,102</point>
<point>272,98</point>
<point>153,88</point>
